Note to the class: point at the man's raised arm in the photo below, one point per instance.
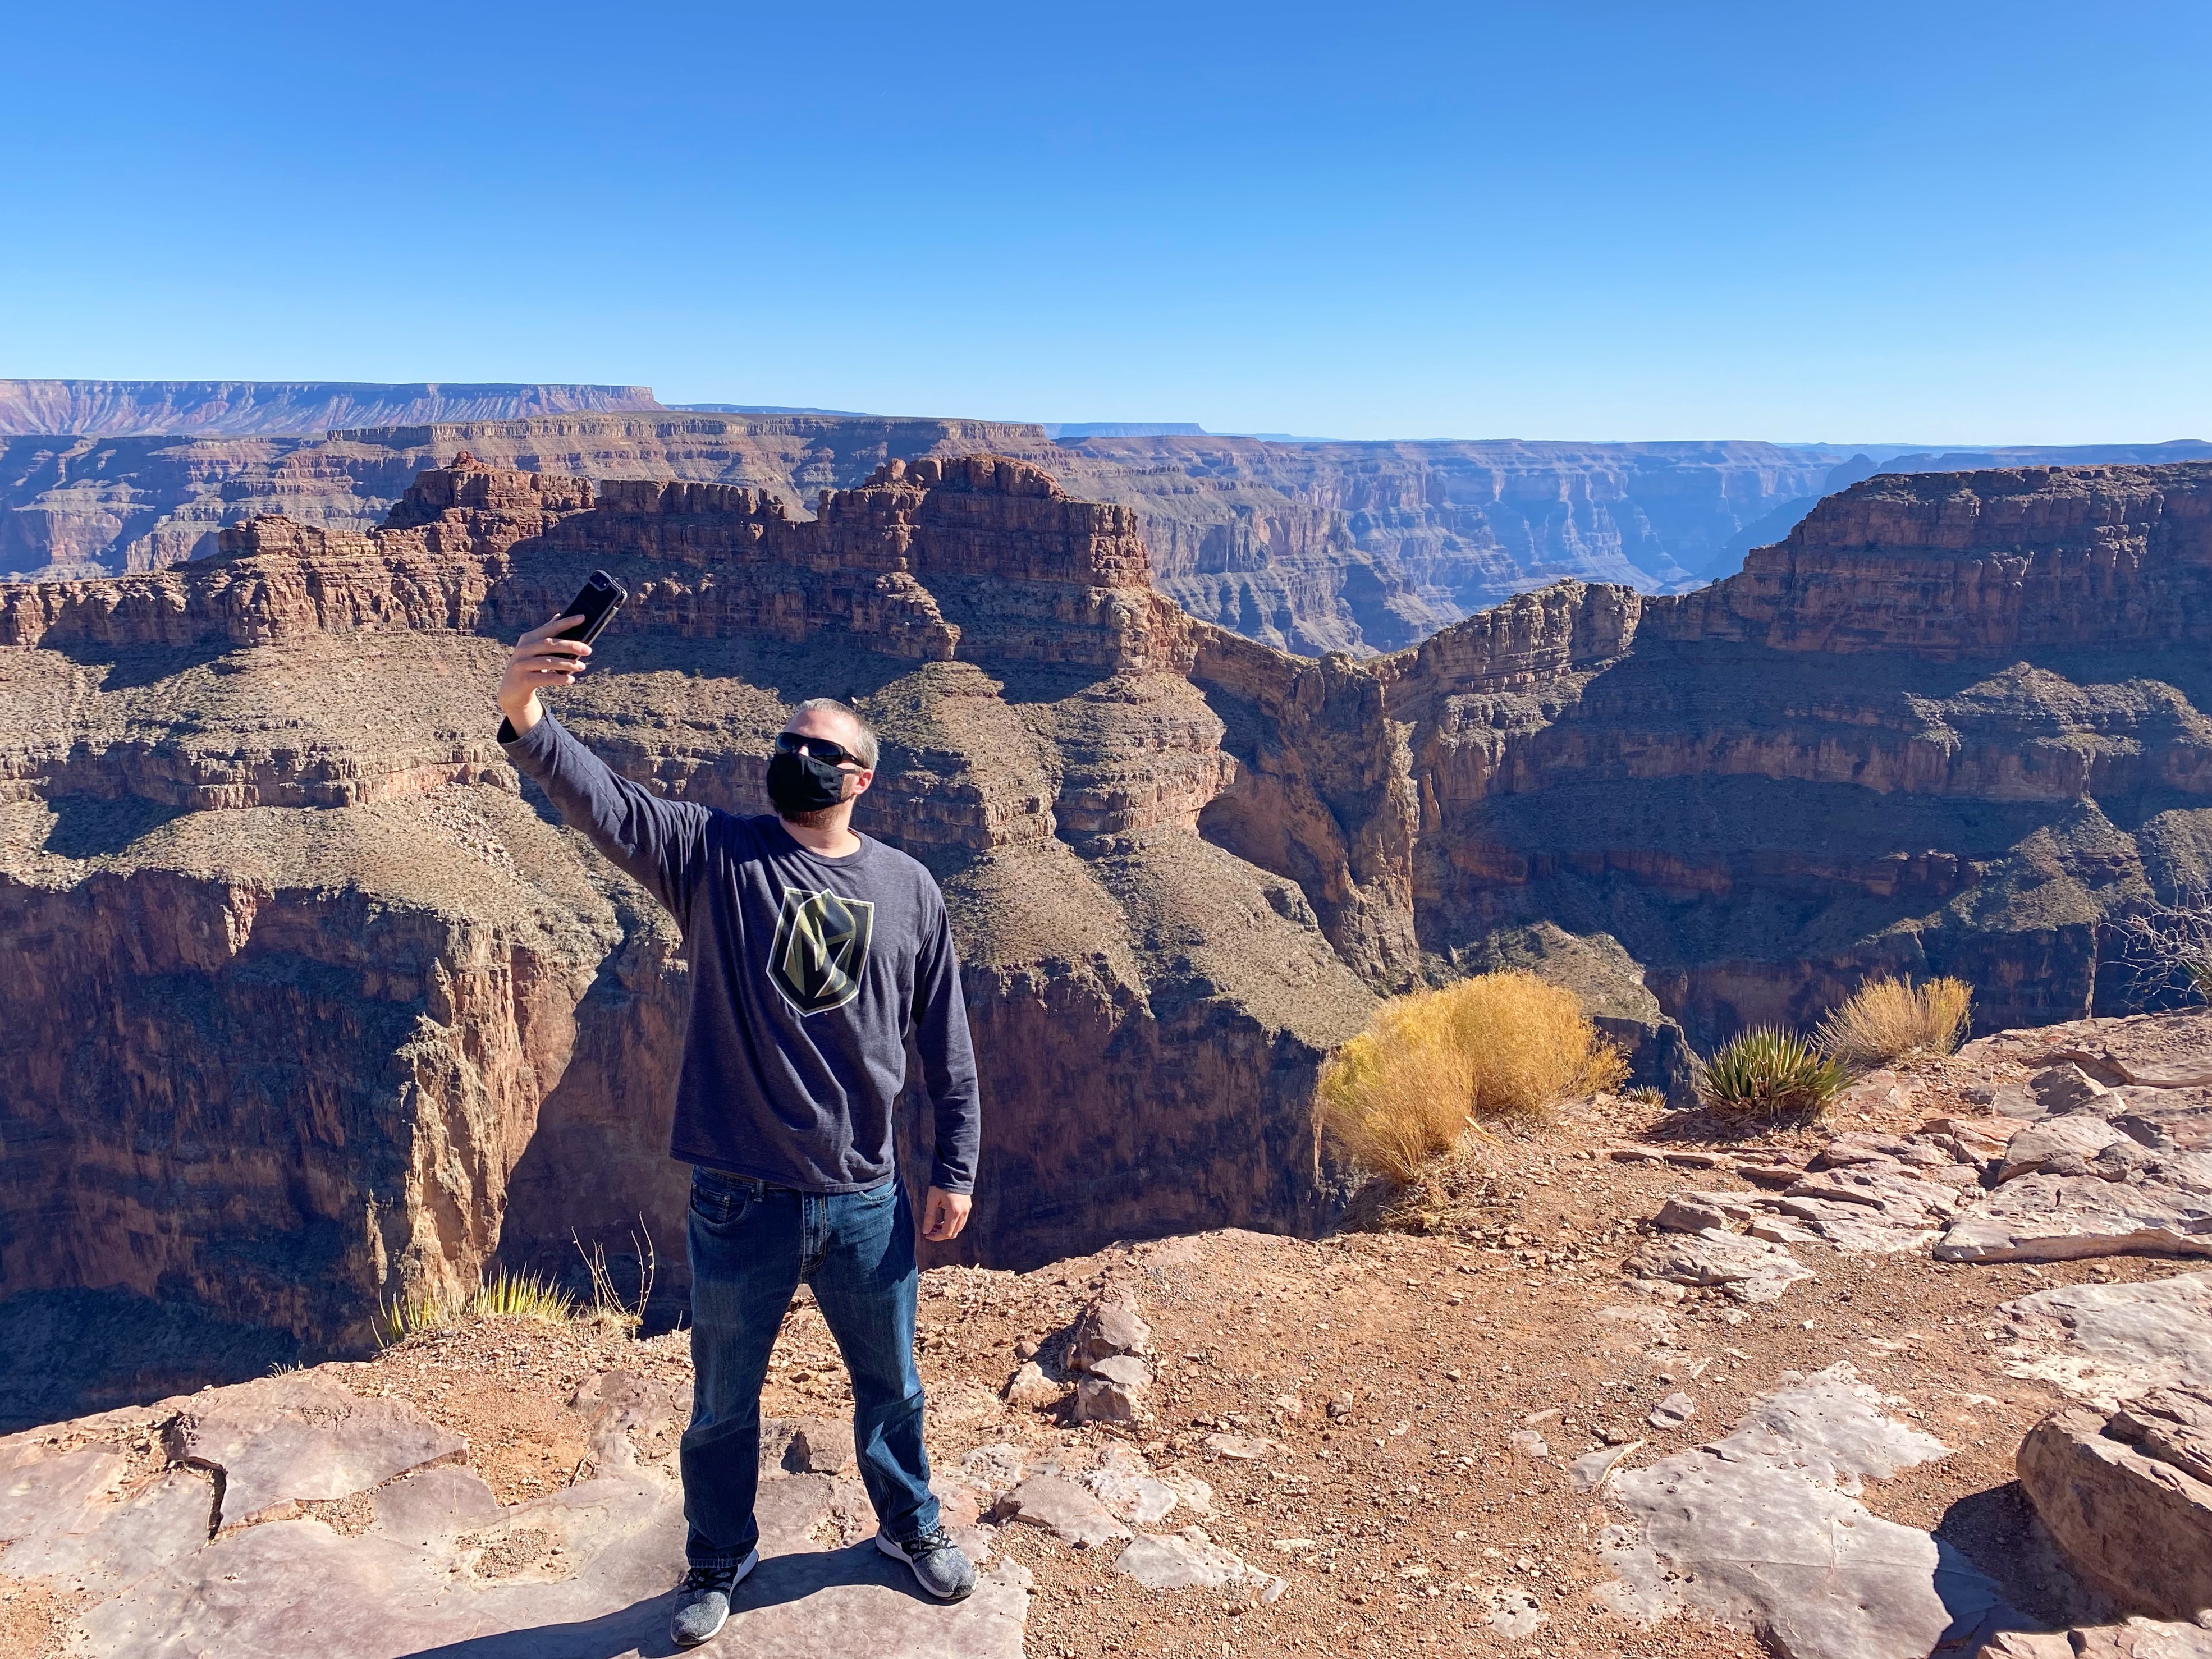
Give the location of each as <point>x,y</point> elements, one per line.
<point>657,842</point>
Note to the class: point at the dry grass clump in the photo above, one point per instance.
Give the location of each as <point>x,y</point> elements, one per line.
<point>506,1295</point>
<point>1767,1074</point>
<point>1430,1064</point>
<point>1888,1019</point>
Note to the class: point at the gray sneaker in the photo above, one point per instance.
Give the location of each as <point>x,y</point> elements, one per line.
<point>938,1566</point>
<point>703,1601</point>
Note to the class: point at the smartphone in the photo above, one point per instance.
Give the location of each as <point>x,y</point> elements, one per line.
<point>597,603</point>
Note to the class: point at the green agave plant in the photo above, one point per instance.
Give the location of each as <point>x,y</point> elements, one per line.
<point>1769,1073</point>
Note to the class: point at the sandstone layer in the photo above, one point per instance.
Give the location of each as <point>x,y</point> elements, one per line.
<point>282,408</point>
<point>319,1008</point>
<point>1309,547</point>
<point>1953,725</point>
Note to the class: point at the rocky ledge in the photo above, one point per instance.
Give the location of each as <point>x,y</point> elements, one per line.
<point>1508,1431</point>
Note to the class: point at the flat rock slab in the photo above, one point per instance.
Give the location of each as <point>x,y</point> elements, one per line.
<point>442,1569</point>
<point>1747,1269</point>
<point>2139,1638</point>
<point>1069,1511</point>
<point>285,1438</point>
<point>2164,1051</point>
<point>1511,1613</point>
<point>2109,1343</point>
<point>2163,1208</point>
<point>1174,1561</point>
<point>1761,1530</point>
<point>1589,1470</point>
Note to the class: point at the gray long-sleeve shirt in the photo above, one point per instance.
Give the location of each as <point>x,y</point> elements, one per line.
<point>807,975</point>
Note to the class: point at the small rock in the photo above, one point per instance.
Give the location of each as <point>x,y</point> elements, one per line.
<point>2081,1136</point>
<point>1108,1328</point>
<point>1032,1388</point>
<point>1115,1391</point>
<point>1072,1514</point>
<point>1673,1411</point>
<point>1238,1447</point>
<point>1747,1269</point>
<point>2026,1645</point>
<point>1174,1562</point>
<point>1529,1441</point>
<point>1025,1349</point>
<point>2065,1088</point>
<point>821,1447</point>
<point>1511,1613</point>
<point>1693,1212</point>
<point>1589,1471</point>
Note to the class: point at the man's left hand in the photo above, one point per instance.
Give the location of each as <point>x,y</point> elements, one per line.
<point>944,1214</point>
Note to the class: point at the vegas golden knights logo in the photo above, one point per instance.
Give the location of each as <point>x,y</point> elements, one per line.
<point>821,947</point>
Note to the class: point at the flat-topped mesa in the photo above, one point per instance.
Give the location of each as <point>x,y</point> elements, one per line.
<point>1942,565</point>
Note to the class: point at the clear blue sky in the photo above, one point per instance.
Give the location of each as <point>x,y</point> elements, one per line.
<point>1933,222</point>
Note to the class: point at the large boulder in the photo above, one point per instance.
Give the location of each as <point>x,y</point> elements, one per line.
<point>2128,1495</point>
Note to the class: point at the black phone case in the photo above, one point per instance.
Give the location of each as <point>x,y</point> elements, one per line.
<point>596,603</point>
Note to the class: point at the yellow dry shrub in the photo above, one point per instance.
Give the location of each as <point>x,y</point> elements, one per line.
<point>1888,1019</point>
<point>1429,1064</point>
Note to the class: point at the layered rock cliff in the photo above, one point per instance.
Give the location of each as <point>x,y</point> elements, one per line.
<point>282,408</point>
<point>1309,547</point>
<point>1952,726</point>
<point>319,1009</point>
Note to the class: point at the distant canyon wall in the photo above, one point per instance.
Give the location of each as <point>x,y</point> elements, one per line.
<point>1309,547</point>
<point>282,408</point>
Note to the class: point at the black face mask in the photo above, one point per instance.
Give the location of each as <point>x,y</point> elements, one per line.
<point>800,783</point>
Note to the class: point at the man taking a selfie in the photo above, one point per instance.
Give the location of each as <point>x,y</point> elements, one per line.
<point>815,953</point>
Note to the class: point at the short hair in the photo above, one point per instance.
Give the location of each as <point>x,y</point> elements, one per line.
<point>866,748</point>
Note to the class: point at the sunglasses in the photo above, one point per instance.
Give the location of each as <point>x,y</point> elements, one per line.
<point>831,754</point>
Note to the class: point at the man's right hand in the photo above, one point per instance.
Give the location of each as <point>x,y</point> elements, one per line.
<point>539,660</point>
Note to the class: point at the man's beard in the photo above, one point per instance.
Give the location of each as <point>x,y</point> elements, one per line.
<point>817,819</point>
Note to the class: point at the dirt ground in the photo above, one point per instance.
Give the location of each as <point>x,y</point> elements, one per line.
<point>1389,1369</point>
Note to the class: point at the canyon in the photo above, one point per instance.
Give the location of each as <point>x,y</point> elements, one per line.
<point>1308,546</point>
<point>316,1006</point>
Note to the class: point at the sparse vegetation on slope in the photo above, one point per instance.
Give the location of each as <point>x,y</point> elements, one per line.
<point>1768,1072</point>
<point>1887,1020</point>
<point>1431,1064</point>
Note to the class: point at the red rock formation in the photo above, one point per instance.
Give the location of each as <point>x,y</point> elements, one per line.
<point>1162,843</point>
<point>416,1022</point>
<point>1313,547</point>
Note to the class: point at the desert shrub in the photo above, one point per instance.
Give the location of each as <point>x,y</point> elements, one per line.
<point>1429,1064</point>
<point>1888,1019</point>
<point>1767,1072</point>
<point>2164,952</point>
<point>522,1296</point>
<point>511,1296</point>
<point>608,1305</point>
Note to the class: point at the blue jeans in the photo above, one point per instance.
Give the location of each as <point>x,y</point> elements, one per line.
<point>751,1246</point>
